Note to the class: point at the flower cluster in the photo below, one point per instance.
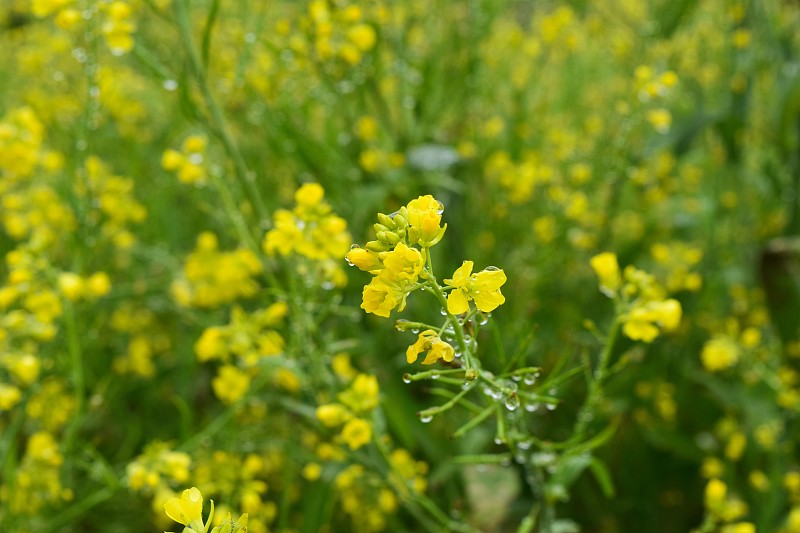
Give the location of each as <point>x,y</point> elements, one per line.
<point>339,33</point>
<point>188,163</point>
<point>393,258</point>
<point>646,312</point>
<point>311,230</point>
<point>240,346</point>
<point>400,263</point>
<point>143,338</point>
<point>158,469</point>
<point>117,207</point>
<point>350,412</point>
<point>213,277</point>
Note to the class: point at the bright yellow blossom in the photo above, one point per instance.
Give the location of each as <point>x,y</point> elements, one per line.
<point>483,288</point>
<point>188,509</point>
<point>430,342</point>
<point>424,217</point>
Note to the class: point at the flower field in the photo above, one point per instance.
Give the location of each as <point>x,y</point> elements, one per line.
<point>445,266</point>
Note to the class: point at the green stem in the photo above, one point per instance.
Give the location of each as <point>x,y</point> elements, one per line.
<point>444,407</point>
<point>596,385</point>
<point>77,377</point>
<point>219,124</point>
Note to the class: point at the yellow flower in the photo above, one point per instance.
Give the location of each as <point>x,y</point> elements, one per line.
<point>357,433</point>
<point>9,396</point>
<point>381,296</point>
<point>719,353</point>
<point>362,395</point>
<point>230,384</point>
<point>71,285</point>
<point>364,259</point>
<point>483,288</point>
<point>716,492</point>
<point>403,263</point>
<point>643,322</point>
<point>606,267</point>
<point>424,217</point>
<point>333,414</point>
<point>362,36</point>
<point>430,342</point>
<point>188,509</point>
<point>309,195</point>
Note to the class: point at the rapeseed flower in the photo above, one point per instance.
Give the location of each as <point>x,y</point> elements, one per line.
<point>188,509</point>
<point>430,342</point>
<point>483,288</point>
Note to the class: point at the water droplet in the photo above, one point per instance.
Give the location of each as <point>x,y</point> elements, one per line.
<point>406,378</point>
<point>529,379</point>
<point>328,285</point>
<point>434,376</point>
<point>467,385</point>
<point>550,406</point>
<point>415,331</point>
<point>443,311</point>
<point>491,269</point>
<point>516,377</point>
<point>354,246</point>
<point>195,159</point>
<point>441,208</point>
<point>531,407</point>
<point>524,445</point>
<point>512,402</point>
<point>484,319</point>
<point>498,441</point>
<point>425,419</point>
<point>170,85</point>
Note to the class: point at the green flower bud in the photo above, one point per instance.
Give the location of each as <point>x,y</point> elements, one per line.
<point>377,246</point>
<point>386,220</point>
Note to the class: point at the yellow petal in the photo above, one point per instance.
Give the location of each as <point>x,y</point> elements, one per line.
<point>488,301</point>
<point>488,280</point>
<point>461,275</point>
<point>457,302</point>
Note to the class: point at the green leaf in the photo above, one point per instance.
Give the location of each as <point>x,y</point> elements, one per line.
<point>603,477</point>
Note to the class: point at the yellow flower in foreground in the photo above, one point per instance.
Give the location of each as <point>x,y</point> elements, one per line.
<point>483,288</point>
<point>430,342</point>
<point>381,296</point>
<point>402,263</point>
<point>188,509</point>
<point>364,259</point>
<point>424,217</point>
